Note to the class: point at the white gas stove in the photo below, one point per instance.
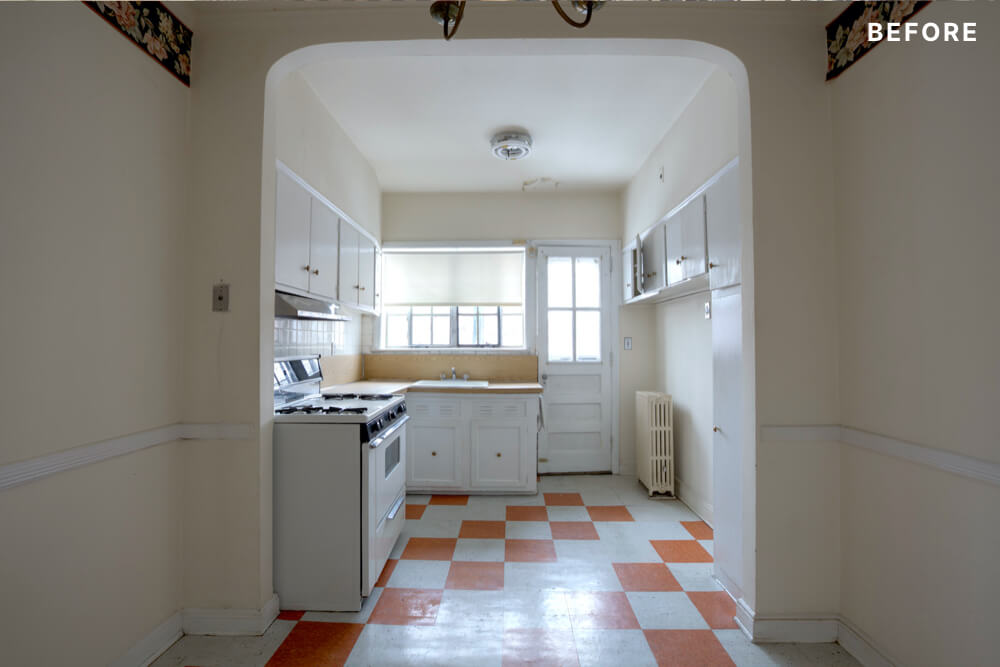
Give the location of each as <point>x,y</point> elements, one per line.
<point>339,487</point>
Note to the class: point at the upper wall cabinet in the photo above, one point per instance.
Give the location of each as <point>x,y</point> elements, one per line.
<point>722,208</point>
<point>629,265</point>
<point>686,242</point>
<point>317,252</point>
<point>654,274</point>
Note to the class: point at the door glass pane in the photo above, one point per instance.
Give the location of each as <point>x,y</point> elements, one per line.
<point>588,335</point>
<point>588,282</point>
<point>560,278</point>
<point>560,335</point>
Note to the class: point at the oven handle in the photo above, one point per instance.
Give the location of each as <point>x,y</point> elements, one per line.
<point>379,441</point>
<point>395,508</point>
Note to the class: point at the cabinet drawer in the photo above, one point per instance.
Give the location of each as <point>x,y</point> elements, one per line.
<point>497,409</point>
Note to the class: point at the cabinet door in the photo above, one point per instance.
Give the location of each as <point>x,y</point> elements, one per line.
<point>366,272</point>
<point>498,451</point>
<point>323,250</point>
<point>628,273</point>
<point>653,261</point>
<point>291,233</point>
<point>434,454</point>
<point>348,289</point>
<point>686,242</point>
<point>722,213</point>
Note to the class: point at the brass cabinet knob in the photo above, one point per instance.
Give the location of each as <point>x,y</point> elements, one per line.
<point>315,272</point>
<point>307,268</point>
<point>680,259</point>
<point>498,454</point>
<point>716,429</point>
<point>362,289</point>
<point>434,453</point>
<point>712,265</point>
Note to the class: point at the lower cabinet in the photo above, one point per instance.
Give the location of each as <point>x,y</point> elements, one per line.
<point>478,443</point>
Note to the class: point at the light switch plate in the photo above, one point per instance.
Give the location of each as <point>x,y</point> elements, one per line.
<point>628,342</point>
<point>220,298</point>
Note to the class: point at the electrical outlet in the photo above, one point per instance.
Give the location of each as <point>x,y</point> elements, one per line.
<point>628,342</point>
<point>220,298</point>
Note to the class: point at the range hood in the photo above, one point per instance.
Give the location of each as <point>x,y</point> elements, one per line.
<point>305,308</point>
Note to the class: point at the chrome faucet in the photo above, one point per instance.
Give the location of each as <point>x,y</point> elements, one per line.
<point>453,376</point>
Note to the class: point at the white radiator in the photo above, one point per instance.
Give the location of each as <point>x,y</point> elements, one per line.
<point>654,440</point>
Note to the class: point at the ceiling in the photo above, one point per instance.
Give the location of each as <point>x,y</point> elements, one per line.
<point>424,123</point>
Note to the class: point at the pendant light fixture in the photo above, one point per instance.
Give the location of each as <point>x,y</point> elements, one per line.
<point>449,13</point>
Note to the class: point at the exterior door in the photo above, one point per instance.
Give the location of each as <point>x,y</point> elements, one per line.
<point>574,345</point>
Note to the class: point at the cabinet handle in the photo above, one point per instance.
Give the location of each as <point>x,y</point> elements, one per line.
<point>308,268</point>
<point>498,454</point>
<point>712,266</point>
<point>315,272</point>
<point>434,453</point>
<point>716,429</point>
<point>680,259</point>
<point>357,287</point>
<point>362,289</point>
<point>649,275</point>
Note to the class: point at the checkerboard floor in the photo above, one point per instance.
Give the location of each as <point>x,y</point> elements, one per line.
<point>588,572</point>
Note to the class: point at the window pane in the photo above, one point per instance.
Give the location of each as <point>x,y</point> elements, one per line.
<point>560,335</point>
<point>588,335</point>
<point>421,329</point>
<point>488,331</point>
<point>511,310</point>
<point>513,330</point>
<point>442,310</point>
<point>396,331</point>
<point>442,330</point>
<point>467,310</point>
<point>560,278</point>
<point>588,282</point>
<point>421,310</point>
<point>466,330</point>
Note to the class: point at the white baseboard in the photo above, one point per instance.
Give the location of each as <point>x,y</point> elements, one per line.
<point>230,621</point>
<point>695,501</point>
<point>153,645</point>
<point>811,629</point>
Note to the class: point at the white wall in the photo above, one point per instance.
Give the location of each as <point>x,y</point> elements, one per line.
<point>312,143</point>
<point>915,132</point>
<point>501,215</point>
<point>93,198</point>
<point>684,370</point>
<point>702,141</point>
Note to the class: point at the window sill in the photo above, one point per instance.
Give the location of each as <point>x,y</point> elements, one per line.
<point>498,351</point>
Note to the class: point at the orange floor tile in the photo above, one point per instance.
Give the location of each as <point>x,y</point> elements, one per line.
<point>483,530</point>
<point>601,610</point>
<point>573,530</point>
<point>564,499</point>
<point>415,511</point>
<point>429,548</point>
<point>530,551</point>
<point>449,500</point>
<point>527,513</point>
<point>475,576</point>
<point>406,606</point>
<point>687,648</point>
<point>649,577</point>
<point>609,513</point>
<point>312,644</point>
<point>681,551</point>
<point>717,608</point>
<point>699,530</point>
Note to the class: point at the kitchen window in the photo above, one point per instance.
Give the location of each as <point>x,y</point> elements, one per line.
<point>453,297</point>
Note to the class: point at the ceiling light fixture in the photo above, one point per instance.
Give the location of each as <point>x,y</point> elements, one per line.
<point>511,145</point>
<point>449,13</point>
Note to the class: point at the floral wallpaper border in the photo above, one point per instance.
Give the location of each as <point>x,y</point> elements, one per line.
<point>155,30</point>
<point>847,35</point>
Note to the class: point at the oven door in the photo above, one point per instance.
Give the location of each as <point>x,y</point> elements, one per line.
<point>386,499</point>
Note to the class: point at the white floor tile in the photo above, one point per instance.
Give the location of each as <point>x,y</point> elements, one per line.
<point>528,530</point>
<point>538,576</point>
<point>536,609</point>
<point>226,651</point>
<point>694,576</point>
<point>475,610</point>
<point>666,611</point>
<point>419,574</point>
<point>747,654</point>
<point>709,546</point>
<point>405,645</point>
<point>557,513</point>
<point>598,648</point>
<point>479,550</point>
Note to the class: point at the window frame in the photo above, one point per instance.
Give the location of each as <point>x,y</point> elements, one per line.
<point>453,339</point>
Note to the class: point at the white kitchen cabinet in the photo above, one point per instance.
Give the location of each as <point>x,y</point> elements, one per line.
<point>472,443</point>
<point>366,273</point>
<point>686,242</point>
<point>349,237</point>
<point>323,250</point>
<point>722,213</point>
<point>629,259</point>
<point>291,233</point>
<point>654,275</point>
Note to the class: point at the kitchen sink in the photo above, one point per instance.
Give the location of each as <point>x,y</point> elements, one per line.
<point>452,383</point>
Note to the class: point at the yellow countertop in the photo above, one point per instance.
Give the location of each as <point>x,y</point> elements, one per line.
<point>398,386</point>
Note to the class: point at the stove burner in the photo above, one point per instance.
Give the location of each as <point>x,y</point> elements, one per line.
<point>340,397</point>
<point>310,410</point>
<point>375,397</point>
<point>353,411</point>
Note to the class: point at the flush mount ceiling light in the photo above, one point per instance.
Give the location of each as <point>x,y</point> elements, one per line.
<point>449,14</point>
<point>511,145</point>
